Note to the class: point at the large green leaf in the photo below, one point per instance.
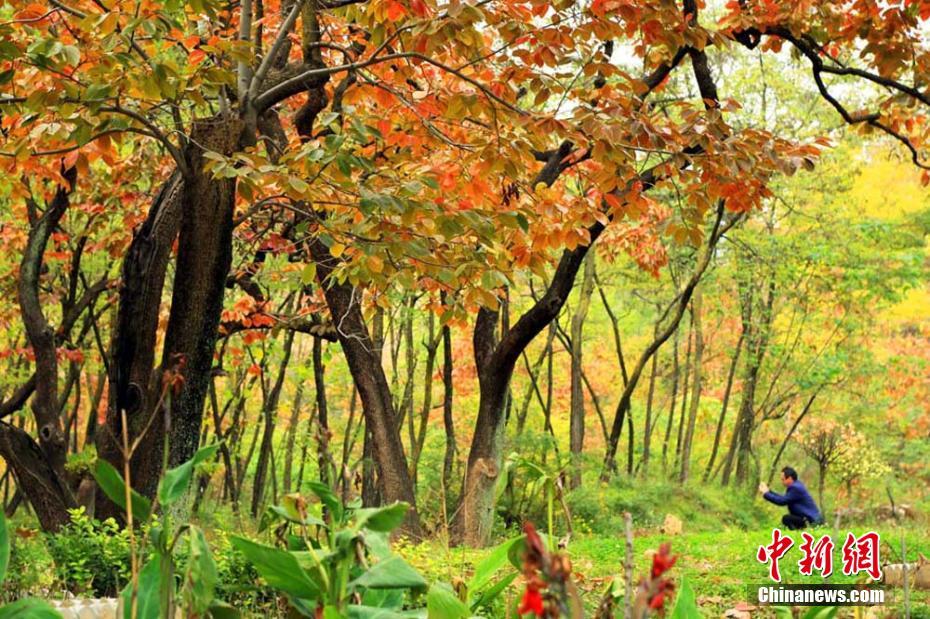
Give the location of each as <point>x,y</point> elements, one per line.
<point>4,546</point>
<point>148,596</point>
<point>29,609</point>
<point>390,573</point>
<point>442,603</point>
<point>382,519</point>
<point>495,560</point>
<point>373,612</point>
<point>685,604</point>
<point>112,484</point>
<point>279,568</point>
<point>328,498</point>
<point>176,481</point>
<point>221,610</point>
<point>199,583</point>
<point>490,594</point>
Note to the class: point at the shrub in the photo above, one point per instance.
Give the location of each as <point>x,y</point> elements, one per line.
<point>91,557</point>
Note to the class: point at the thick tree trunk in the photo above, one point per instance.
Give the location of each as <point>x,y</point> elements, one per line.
<point>202,208</point>
<point>39,467</point>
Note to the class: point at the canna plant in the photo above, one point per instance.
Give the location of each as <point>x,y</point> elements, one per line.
<point>162,586</point>
<point>335,560</point>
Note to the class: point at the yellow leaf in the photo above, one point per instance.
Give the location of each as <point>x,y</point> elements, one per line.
<point>375,264</point>
<point>336,249</point>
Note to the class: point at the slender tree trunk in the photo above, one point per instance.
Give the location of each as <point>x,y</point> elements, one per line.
<point>39,467</point>
<point>291,438</point>
<point>365,365</point>
<point>270,416</point>
<point>723,407</point>
<point>448,421</point>
<point>696,307</point>
<point>322,413</point>
<point>647,425</point>
<point>576,423</point>
<point>685,391</point>
<point>432,345</point>
<point>672,402</point>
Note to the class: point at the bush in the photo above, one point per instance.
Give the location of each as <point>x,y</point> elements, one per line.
<point>91,557</point>
<point>31,570</point>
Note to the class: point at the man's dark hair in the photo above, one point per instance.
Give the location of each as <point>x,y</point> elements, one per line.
<point>790,472</point>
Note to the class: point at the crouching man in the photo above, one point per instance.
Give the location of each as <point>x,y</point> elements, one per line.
<point>802,511</point>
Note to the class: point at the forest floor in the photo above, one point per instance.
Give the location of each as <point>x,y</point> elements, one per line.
<point>720,565</point>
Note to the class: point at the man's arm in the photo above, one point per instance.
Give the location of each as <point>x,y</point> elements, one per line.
<point>787,498</point>
<point>777,499</point>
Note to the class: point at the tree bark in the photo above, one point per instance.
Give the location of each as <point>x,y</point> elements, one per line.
<point>696,307</point>
<point>204,256</point>
<point>270,417</point>
<point>39,468</point>
<point>723,407</point>
<point>576,422</point>
<point>365,365</point>
<point>448,421</point>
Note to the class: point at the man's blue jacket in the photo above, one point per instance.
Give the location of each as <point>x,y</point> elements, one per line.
<point>799,501</point>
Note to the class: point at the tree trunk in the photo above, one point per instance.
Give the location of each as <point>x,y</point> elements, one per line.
<point>576,423</point>
<point>322,413</point>
<point>204,206</point>
<point>432,345</point>
<point>671,407</point>
<point>365,365</point>
<point>291,439</point>
<point>686,374</point>
<point>723,407</point>
<point>647,423</point>
<point>39,467</point>
<point>270,417</point>
<point>696,303</point>
<point>448,421</point>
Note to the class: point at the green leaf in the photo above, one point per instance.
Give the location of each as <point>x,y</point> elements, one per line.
<point>495,560</point>
<point>491,593</point>
<point>442,603</point>
<point>148,597</point>
<point>176,481</point>
<point>279,568</point>
<point>685,604</point>
<point>29,609</point>
<point>821,612</point>
<point>330,500</point>
<point>199,583</point>
<point>373,612</point>
<point>390,573</point>
<point>112,484</point>
<point>381,519</point>
<point>221,610</point>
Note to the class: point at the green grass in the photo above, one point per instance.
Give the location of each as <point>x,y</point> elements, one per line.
<point>719,564</point>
